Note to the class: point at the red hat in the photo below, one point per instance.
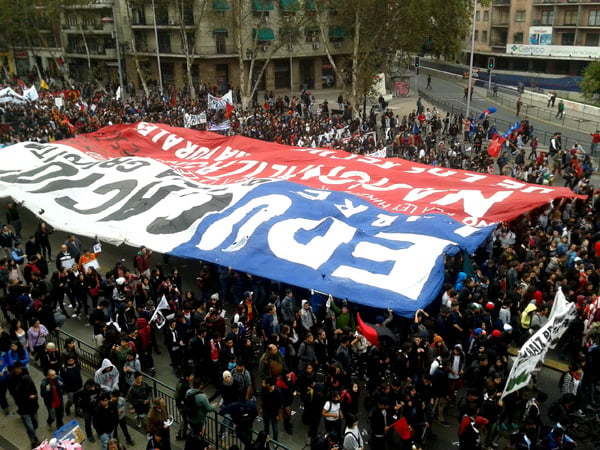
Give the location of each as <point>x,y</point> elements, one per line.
<point>490,306</point>
<point>496,333</point>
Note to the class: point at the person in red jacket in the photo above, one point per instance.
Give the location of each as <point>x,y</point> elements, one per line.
<point>144,345</point>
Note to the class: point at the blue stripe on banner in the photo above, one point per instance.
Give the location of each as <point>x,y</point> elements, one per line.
<point>334,242</point>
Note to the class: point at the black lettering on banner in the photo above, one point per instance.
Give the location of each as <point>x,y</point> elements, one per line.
<point>124,165</point>
<point>162,225</point>
<point>138,203</point>
<point>47,171</point>
<point>69,183</point>
<point>124,188</point>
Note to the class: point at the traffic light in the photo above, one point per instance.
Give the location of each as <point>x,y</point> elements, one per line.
<point>417,61</point>
<point>491,62</point>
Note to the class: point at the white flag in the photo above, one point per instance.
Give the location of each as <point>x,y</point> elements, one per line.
<point>31,94</point>
<point>158,319</point>
<point>163,304</point>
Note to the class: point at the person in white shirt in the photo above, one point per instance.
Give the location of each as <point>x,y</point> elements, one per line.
<point>352,438</point>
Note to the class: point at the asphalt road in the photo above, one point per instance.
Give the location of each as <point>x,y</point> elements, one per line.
<point>449,95</point>
<point>446,437</point>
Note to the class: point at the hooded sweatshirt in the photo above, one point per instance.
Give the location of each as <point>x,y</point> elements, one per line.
<point>109,380</point>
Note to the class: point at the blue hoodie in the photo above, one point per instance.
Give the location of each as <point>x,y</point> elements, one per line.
<point>4,367</point>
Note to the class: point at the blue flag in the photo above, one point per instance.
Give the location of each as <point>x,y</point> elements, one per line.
<point>415,127</point>
<point>512,128</point>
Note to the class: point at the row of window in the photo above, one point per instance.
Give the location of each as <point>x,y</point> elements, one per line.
<point>590,39</point>
<point>546,17</point>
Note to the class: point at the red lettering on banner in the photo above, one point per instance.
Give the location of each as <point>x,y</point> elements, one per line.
<point>392,184</point>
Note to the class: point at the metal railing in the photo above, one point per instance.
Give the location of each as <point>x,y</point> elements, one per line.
<point>570,119</point>
<point>90,361</point>
<point>501,125</point>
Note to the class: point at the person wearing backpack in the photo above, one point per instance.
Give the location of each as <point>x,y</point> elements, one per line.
<point>196,406</point>
<point>183,385</point>
<point>352,439</point>
<point>243,413</point>
<point>570,381</point>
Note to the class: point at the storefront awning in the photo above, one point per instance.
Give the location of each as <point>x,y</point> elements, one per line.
<point>262,5</point>
<point>337,32</point>
<point>221,5</point>
<point>264,34</point>
<point>289,5</point>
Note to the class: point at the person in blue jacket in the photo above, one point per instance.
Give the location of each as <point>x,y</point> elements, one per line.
<point>4,373</point>
<point>18,353</point>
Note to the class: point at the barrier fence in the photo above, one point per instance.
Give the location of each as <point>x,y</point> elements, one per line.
<point>500,124</point>
<point>91,360</point>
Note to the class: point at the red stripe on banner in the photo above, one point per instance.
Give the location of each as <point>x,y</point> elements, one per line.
<point>393,184</point>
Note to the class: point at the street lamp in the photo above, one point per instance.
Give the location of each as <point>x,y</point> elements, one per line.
<point>470,87</point>
<point>160,84</point>
<point>115,35</point>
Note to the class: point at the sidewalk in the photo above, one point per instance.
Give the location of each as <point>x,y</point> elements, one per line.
<point>578,116</point>
<point>14,437</point>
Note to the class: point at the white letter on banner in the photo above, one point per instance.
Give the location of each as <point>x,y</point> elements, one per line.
<point>270,206</point>
<point>318,250</point>
<point>348,209</point>
<point>475,202</point>
<point>411,268</point>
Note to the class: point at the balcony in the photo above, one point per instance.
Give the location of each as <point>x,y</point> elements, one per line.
<point>499,23</point>
<point>501,3</point>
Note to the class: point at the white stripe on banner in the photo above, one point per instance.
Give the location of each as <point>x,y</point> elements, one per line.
<point>219,102</point>
<point>531,355</point>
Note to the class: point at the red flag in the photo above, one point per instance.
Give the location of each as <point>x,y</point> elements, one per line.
<point>173,101</point>
<point>21,84</point>
<point>369,332</point>
<point>228,110</point>
<point>403,428</point>
<point>68,124</point>
<point>495,145</point>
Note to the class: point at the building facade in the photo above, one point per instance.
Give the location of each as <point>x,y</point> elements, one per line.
<point>542,36</point>
<point>214,41</point>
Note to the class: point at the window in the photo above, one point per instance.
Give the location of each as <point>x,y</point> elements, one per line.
<point>484,37</point>
<point>477,16</point>
<point>164,42</point>
<point>312,34</point>
<point>476,35</point>
<point>571,17</point>
<point>592,39</point>
<point>547,17</point>
<point>594,18</point>
<point>567,39</point>
<point>220,38</point>
<point>486,16</point>
<point>520,15</point>
<point>518,38</point>
<point>141,41</point>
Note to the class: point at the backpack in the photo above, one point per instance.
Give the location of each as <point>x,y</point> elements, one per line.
<point>189,404</point>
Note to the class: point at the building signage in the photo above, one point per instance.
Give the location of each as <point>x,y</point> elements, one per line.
<point>561,51</point>
<point>540,35</point>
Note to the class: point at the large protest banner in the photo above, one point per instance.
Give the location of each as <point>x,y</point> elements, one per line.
<point>368,229</point>
<point>532,354</point>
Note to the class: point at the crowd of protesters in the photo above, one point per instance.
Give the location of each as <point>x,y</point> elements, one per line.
<point>258,342</point>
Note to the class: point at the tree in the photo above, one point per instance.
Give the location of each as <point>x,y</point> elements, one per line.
<point>590,86</point>
<point>249,44</point>
<point>380,28</point>
<point>185,9</point>
<point>32,24</point>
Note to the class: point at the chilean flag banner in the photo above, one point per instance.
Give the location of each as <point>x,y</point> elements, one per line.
<point>372,230</point>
